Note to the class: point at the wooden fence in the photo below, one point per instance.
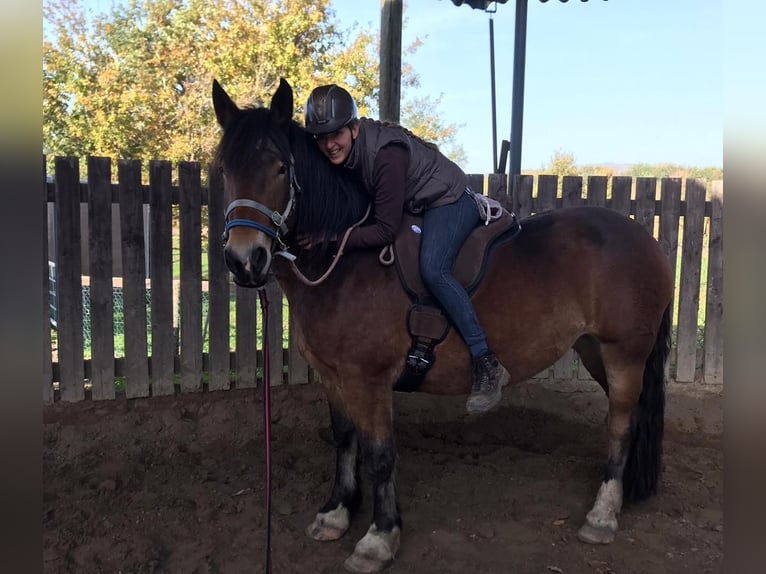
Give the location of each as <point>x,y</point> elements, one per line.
<point>164,348</point>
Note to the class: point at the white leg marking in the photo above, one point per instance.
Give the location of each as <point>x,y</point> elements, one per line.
<point>329,525</point>
<point>377,545</point>
<point>607,506</point>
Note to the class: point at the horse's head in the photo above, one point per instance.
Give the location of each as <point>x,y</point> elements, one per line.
<point>259,181</point>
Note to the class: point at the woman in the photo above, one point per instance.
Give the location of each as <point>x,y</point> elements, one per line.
<point>400,171</point>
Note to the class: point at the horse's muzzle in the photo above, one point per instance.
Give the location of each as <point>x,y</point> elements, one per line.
<point>251,268</point>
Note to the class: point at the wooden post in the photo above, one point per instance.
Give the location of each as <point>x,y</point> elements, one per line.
<point>689,290</point>
<point>68,281</point>
<point>714,310</point>
<point>47,343</point>
<point>218,286</point>
<point>134,278</point>
<point>191,275</point>
<point>390,59</point>
<point>161,270</point>
<point>101,289</point>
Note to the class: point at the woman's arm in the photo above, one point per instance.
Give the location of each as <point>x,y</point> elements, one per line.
<point>389,177</point>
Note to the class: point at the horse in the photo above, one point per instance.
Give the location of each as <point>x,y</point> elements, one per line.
<point>586,278</point>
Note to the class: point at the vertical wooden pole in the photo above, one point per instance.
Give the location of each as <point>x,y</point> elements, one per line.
<point>68,280</point>
<point>714,309</point>
<point>101,289</point>
<point>390,59</point>
<point>161,272</point>
<point>134,278</point>
<point>191,275</point>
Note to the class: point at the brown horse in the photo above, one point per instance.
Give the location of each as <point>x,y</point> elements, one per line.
<point>583,277</point>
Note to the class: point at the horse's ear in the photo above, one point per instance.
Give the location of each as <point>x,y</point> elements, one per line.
<point>225,108</point>
<point>282,102</point>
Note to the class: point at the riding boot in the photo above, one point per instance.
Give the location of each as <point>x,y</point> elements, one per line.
<point>489,376</point>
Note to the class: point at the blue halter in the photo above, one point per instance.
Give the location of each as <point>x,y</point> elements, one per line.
<point>277,218</point>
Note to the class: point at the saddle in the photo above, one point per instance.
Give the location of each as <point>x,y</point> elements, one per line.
<point>426,322</point>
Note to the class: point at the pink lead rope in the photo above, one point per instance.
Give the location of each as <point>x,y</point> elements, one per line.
<point>266,421</point>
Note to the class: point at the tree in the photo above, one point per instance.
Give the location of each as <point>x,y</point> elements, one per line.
<point>135,83</point>
<point>562,163</point>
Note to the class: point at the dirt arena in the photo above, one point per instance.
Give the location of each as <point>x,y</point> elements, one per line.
<point>175,485</point>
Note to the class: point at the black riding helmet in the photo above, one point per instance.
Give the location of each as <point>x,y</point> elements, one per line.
<point>328,109</point>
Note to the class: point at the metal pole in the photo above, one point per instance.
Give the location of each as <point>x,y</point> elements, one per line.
<point>517,110</point>
<point>494,105</point>
<point>390,59</point>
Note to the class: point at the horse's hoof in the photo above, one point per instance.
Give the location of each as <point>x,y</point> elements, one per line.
<point>323,533</point>
<point>364,564</point>
<point>596,534</point>
<point>374,552</point>
<point>329,525</point>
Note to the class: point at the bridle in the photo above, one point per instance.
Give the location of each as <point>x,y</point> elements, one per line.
<point>278,219</point>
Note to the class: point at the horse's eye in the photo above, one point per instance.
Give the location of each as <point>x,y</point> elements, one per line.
<point>282,169</point>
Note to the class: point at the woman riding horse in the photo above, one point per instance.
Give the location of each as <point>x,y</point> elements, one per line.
<point>401,171</point>
<point>581,277</point>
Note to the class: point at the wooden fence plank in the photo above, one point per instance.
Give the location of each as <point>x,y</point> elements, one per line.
<point>646,201</point>
<point>68,281</point>
<point>497,189</point>
<point>571,191</point>
<point>101,289</point>
<point>161,273</point>
<point>688,297</point>
<point>276,354</point>
<point>714,309</point>
<point>670,216</point>
<point>595,196</point>
<point>134,278</point>
<point>218,287</point>
<point>191,276</point>
<point>597,185</point>
<point>621,187</point>
<point>547,188</point>
<point>571,196</point>
<point>246,324</point>
<point>297,367</point>
<point>47,343</point>
<point>522,196</point>
<point>476,182</point>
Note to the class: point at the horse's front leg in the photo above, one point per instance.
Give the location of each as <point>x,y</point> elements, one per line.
<point>332,520</point>
<point>379,545</point>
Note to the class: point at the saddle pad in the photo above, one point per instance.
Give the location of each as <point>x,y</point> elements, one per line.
<point>471,261</point>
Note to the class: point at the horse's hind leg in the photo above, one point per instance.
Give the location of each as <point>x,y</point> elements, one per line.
<point>625,381</point>
<point>332,520</point>
<point>589,350</point>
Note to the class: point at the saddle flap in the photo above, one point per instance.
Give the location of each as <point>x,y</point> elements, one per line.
<point>427,322</point>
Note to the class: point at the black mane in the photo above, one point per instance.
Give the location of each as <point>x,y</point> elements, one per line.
<point>330,198</point>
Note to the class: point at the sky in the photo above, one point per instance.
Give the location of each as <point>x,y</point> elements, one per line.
<point>610,82</point>
<point>614,81</point>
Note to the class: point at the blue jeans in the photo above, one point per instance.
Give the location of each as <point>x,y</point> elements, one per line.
<point>445,229</point>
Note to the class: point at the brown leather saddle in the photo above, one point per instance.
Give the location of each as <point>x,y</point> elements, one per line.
<point>426,322</point>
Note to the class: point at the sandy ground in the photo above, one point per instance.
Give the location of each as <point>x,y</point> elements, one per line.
<point>175,485</point>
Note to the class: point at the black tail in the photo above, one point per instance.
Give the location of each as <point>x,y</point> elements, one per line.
<point>644,464</point>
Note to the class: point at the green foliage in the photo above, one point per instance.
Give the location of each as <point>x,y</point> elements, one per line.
<point>135,82</point>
